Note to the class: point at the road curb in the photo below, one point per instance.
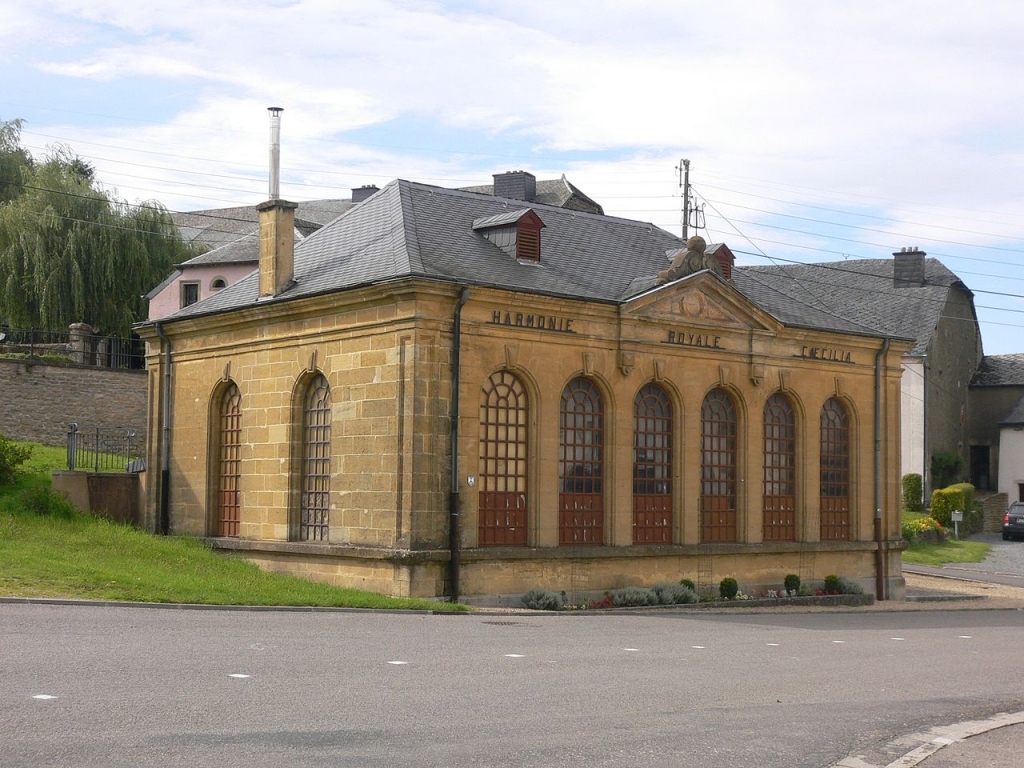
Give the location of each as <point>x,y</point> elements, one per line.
<point>934,739</point>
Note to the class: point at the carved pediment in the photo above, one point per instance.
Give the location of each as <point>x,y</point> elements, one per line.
<point>703,300</point>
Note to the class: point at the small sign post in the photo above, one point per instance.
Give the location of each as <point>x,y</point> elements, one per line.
<point>957,516</point>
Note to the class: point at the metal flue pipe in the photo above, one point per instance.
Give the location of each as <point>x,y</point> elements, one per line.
<point>275,152</point>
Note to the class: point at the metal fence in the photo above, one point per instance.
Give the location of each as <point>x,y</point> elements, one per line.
<point>77,346</point>
<point>104,449</point>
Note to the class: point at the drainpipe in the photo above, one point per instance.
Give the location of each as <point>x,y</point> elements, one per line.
<point>163,525</point>
<point>453,498</point>
<point>879,553</point>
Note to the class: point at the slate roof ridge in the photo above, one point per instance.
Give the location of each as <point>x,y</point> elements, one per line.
<point>462,192</point>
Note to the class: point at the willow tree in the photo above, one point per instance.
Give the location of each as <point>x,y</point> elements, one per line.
<point>71,252</point>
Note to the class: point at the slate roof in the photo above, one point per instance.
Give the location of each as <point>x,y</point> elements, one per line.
<point>861,290</point>
<point>1015,417</point>
<point>559,192</point>
<point>417,230</point>
<point>1000,371</point>
<point>218,226</point>
<point>244,250</point>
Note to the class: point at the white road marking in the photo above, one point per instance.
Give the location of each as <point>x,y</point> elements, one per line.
<point>965,637</point>
<point>44,696</point>
<point>515,656</point>
<point>838,642</point>
<point>897,638</point>
<point>632,650</point>
<point>773,645</point>
<point>398,662</point>
<point>698,647</point>
<point>238,675</point>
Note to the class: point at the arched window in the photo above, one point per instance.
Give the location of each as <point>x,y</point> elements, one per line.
<point>718,467</point>
<point>502,467</point>
<point>581,464</point>
<point>835,471</point>
<point>652,466</point>
<point>218,284</point>
<point>779,495</point>
<point>229,461</point>
<point>315,500</point>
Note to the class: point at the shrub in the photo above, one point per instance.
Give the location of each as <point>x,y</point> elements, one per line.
<point>670,593</point>
<point>728,587</point>
<point>945,466</point>
<point>913,492</point>
<point>955,497</point>
<point>849,587</point>
<point>831,585</point>
<point>543,600</point>
<point>688,583</point>
<point>791,583</point>
<point>43,501</point>
<point>633,596</point>
<point>11,458</point>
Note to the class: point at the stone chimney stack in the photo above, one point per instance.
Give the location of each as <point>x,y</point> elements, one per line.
<point>361,193</point>
<point>908,268</point>
<point>518,185</point>
<point>277,224</point>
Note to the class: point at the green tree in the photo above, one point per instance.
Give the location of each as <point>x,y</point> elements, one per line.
<point>71,252</point>
<point>13,160</point>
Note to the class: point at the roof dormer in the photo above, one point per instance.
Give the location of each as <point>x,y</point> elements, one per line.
<point>517,233</point>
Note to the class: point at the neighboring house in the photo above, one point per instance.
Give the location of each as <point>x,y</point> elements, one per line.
<point>232,235</point>
<point>451,393</point>
<point>997,421</point>
<point>914,297</point>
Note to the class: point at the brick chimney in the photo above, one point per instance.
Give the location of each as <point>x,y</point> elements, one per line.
<point>518,185</point>
<point>908,268</point>
<point>277,224</point>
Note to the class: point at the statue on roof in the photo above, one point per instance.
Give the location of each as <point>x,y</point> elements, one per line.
<point>686,262</point>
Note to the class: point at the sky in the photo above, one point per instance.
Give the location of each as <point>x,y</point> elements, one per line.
<point>815,130</point>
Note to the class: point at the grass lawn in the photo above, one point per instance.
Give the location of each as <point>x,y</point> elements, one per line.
<point>949,551</point>
<point>78,556</point>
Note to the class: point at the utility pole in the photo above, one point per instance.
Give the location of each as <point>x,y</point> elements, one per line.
<point>684,183</point>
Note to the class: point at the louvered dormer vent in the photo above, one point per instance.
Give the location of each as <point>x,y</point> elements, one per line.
<point>517,233</point>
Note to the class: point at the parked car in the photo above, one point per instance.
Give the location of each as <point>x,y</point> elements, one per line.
<point>1013,521</point>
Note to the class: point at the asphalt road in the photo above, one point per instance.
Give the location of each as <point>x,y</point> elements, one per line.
<point>161,687</point>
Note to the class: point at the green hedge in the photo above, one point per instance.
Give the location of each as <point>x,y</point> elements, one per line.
<point>957,497</point>
<point>913,492</point>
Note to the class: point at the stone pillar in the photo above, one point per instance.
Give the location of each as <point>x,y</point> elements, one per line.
<point>79,345</point>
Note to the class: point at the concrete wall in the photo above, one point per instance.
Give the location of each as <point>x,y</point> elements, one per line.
<point>38,402</point>
<point>106,494</point>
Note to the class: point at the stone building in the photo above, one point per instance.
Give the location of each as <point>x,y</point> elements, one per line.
<point>919,298</point>
<point>451,393</point>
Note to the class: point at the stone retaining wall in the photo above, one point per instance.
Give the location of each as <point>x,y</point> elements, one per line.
<point>39,401</point>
